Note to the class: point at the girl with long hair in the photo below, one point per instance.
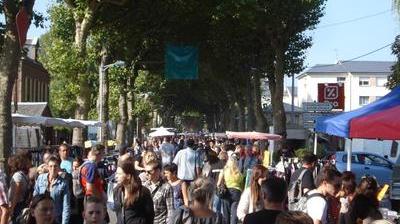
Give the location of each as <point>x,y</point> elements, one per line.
<point>251,199</point>
<point>133,202</point>
<point>19,193</point>
<point>233,179</point>
<point>199,210</point>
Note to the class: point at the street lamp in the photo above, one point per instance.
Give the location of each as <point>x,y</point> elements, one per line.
<point>103,68</point>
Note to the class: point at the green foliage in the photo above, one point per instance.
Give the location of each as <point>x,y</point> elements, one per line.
<point>394,78</point>
<point>235,38</point>
<point>63,61</point>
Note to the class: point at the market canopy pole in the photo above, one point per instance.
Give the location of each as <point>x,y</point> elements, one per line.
<point>350,149</point>
<point>315,142</point>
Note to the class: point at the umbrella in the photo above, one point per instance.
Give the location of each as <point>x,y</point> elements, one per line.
<point>253,135</point>
<point>160,132</point>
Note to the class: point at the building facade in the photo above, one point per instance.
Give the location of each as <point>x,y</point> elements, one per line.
<point>32,84</point>
<point>364,81</point>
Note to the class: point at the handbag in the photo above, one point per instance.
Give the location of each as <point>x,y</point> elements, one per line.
<point>222,190</point>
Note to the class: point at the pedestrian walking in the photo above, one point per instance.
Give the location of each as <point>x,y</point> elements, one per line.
<point>58,188</point>
<point>161,192</point>
<point>133,203</point>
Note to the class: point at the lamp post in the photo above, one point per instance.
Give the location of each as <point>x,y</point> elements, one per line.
<point>103,68</point>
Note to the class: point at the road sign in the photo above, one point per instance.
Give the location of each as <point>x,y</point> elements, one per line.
<point>333,93</point>
<point>312,116</point>
<point>316,106</point>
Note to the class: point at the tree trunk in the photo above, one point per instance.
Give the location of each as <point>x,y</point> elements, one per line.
<point>261,122</point>
<point>123,113</point>
<point>9,60</point>
<point>131,120</point>
<point>241,112</point>
<point>250,109</point>
<point>81,112</point>
<point>276,88</point>
<point>103,95</point>
<point>82,27</point>
<point>231,117</point>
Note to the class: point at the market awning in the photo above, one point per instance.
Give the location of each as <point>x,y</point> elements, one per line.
<point>381,125</point>
<point>253,135</point>
<point>25,120</point>
<point>339,125</point>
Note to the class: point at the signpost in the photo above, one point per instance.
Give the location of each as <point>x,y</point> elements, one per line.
<point>317,106</point>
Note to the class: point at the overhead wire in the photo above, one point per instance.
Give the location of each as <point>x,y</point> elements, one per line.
<point>352,59</point>
<point>353,20</point>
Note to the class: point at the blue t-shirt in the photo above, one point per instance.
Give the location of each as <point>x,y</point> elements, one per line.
<point>67,165</point>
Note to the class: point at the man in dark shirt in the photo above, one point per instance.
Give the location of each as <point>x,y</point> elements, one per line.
<point>307,183</point>
<point>274,191</point>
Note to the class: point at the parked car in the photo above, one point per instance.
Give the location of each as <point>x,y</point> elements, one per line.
<point>363,164</point>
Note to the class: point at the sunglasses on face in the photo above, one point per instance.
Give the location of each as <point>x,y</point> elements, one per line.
<point>149,171</point>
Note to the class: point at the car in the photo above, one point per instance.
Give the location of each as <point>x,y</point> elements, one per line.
<point>363,164</point>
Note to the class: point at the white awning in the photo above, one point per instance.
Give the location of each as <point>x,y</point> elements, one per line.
<point>25,120</point>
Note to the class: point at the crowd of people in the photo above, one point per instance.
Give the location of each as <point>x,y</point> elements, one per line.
<point>181,181</point>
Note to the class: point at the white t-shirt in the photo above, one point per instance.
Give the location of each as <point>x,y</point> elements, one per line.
<point>317,207</point>
<point>187,160</point>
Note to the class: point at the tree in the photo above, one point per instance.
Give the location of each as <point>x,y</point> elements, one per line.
<point>10,54</point>
<point>284,23</point>
<point>394,78</point>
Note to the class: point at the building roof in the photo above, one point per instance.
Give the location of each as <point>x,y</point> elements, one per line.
<point>33,108</point>
<point>353,67</point>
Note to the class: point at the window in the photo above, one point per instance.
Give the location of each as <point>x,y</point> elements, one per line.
<point>364,100</point>
<point>381,82</point>
<point>376,161</point>
<point>341,79</point>
<point>364,82</point>
<point>378,97</point>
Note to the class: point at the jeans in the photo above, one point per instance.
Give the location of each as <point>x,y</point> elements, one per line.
<point>234,197</point>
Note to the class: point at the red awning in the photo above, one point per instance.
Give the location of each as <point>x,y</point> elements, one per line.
<point>253,135</point>
<point>381,125</point>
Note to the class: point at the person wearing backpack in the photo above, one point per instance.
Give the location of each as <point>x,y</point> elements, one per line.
<point>329,183</point>
<point>302,179</point>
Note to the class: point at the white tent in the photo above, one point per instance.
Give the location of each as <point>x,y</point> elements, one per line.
<point>161,131</point>
<point>24,120</point>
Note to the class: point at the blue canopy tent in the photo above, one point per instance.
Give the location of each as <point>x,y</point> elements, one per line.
<point>339,125</point>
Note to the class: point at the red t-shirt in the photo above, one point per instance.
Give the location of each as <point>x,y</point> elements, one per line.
<point>90,175</point>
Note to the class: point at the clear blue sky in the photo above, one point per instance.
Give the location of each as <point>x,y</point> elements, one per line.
<point>353,39</point>
<point>341,42</point>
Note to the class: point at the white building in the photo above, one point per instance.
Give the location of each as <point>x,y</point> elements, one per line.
<point>364,81</point>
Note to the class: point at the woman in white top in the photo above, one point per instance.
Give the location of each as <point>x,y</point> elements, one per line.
<point>251,199</point>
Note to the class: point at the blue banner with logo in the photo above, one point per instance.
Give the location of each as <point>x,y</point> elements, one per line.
<point>181,62</point>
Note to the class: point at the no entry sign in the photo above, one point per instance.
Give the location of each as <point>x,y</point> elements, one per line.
<point>333,93</point>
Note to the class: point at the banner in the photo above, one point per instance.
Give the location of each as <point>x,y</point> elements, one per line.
<point>181,62</point>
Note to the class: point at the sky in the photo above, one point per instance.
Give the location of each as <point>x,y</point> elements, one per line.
<point>376,25</point>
